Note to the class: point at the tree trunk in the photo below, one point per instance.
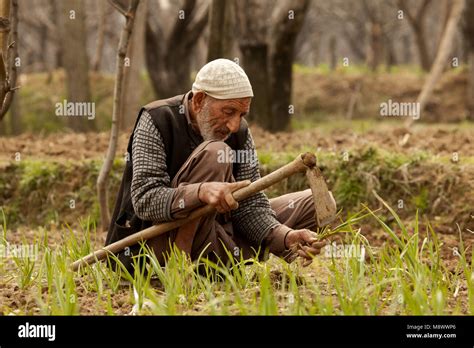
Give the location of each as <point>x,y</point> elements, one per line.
<point>332,53</point>
<point>253,26</point>
<point>287,22</point>
<point>420,40</point>
<point>356,41</point>
<point>15,117</point>
<point>55,9</point>
<point>468,31</point>
<point>391,57</point>
<point>102,180</point>
<point>416,21</point>
<point>169,59</point>
<point>44,40</point>
<point>99,48</point>
<point>221,29</point>
<point>442,55</point>
<point>470,87</point>
<point>446,12</point>
<point>4,32</point>
<point>9,52</point>
<point>406,49</point>
<point>254,61</point>
<point>375,45</point>
<point>73,38</point>
<point>5,25</point>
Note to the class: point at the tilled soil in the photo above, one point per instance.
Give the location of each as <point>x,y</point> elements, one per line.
<point>435,139</point>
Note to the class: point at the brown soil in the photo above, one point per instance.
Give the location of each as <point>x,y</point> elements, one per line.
<point>435,139</point>
<point>70,146</point>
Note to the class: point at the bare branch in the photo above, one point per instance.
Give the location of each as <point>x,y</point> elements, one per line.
<point>422,10</point>
<point>119,7</point>
<point>102,180</point>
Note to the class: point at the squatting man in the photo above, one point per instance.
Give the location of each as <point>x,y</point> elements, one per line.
<point>175,167</point>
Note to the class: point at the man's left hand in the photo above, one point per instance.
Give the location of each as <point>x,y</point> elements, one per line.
<point>305,243</point>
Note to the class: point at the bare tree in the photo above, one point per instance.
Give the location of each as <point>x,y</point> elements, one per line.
<point>267,47</point>
<point>391,57</point>
<point>332,52</point>
<point>468,29</point>
<point>9,53</point>
<point>308,45</point>
<point>58,61</point>
<point>287,22</point>
<point>350,18</point>
<point>221,29</point>
<point>382,31</point>
<point>252,38</point>
<point>442,54</point>
<point>74,58</point>
<point>133,86</point>
<point>101,25</point>
<point>406,57</point>
<point>375,47</point>
<point>102,180</point>
<point>168,57</point>
<point>416,20</point>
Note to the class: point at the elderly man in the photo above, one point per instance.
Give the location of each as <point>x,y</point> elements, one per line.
<point>196,149</point>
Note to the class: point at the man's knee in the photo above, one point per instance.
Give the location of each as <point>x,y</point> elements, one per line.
<point>308,200</point>
<point>218,155</point>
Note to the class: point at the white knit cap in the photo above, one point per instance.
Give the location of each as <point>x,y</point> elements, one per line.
<point>223,79</point>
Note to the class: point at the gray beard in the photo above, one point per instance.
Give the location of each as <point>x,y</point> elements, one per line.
<point>205,128</point>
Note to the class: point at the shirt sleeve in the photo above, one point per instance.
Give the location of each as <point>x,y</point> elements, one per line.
<point>275,240</point>
<point>254,218</point>
<point>152,197</point>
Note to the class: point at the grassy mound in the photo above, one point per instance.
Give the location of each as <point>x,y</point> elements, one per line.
<point>408,182</point>
<point>37,193</point>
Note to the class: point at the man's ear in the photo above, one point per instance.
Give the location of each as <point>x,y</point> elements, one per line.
<point>198,101</point>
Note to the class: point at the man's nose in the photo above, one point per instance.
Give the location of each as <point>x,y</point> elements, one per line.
<point>234,124</point>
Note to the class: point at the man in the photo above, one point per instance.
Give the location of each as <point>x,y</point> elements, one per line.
<point>181,158</point>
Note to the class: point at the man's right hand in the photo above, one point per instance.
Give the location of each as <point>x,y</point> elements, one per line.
<point>219,194</point>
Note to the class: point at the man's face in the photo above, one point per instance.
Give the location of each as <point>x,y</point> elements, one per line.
<point>217,118</point>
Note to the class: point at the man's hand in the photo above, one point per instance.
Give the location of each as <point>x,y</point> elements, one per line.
<point>304,243</point>
<point>219,194</point>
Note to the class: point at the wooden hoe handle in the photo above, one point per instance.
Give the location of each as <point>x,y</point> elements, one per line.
<point>299,164</point>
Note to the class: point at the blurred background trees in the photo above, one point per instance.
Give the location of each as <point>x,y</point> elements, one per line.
<point>72,43</point>
<point>74,59</point>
